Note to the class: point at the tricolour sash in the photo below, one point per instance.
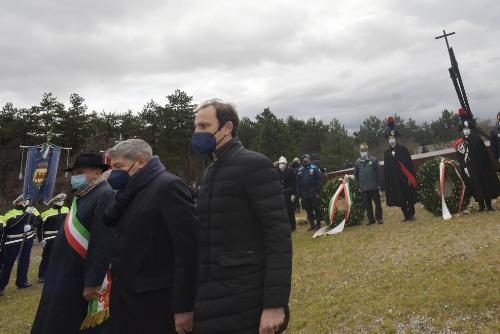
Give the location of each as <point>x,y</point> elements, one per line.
<point>78,238</point>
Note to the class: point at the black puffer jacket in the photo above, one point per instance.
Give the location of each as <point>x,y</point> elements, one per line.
<point>245,259</point>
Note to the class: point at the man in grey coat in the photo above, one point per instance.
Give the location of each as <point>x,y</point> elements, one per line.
<point>368,176</point>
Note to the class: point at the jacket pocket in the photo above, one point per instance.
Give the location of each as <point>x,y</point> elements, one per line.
<point>145,284</point>
<point>238,259</point>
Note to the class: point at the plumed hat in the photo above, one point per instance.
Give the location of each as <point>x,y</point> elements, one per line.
<point>466,120</point>
<point>391,128</point>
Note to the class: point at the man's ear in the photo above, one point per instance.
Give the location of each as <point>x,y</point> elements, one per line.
<point>229,126</point>
<point>141,161</point>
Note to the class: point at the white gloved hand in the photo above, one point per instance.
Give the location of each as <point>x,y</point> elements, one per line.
<point>43,243</point>
<point>292,198</point>
<point>27,228</point>
<point>30,210</point>
<point>466,171</point>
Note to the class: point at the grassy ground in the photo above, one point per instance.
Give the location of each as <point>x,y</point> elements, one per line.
<point>429,276</point>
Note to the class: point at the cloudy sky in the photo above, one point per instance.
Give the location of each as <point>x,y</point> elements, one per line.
<point>321,58</point>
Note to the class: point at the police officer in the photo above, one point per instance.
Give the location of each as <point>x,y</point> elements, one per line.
<point>368,176</point>
<point>309,187</point>
<point>52,220</point>
<point>18,238</point>
<point>495,139</point>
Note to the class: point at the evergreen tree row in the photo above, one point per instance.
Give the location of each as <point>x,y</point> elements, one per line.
<point>168,128</point>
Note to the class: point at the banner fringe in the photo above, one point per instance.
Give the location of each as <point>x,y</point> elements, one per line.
<point>95,319</point>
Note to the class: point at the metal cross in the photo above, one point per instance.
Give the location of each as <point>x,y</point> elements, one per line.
<point>445,35</point>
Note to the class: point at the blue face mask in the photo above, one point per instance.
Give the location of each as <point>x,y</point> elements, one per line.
<point>204,142</point>
<point>118,178</point>
<point>78,181</point>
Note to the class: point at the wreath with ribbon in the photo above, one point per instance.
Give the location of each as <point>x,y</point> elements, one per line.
<point>434,172</point>
<point>335,190</point>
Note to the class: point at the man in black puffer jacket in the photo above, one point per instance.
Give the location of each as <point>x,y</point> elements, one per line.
<point>245,253</point>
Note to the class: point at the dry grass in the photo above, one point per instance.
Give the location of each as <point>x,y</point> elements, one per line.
<point>429,276</point>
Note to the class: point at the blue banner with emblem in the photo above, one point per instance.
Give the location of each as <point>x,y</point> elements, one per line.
<point>40,173</point>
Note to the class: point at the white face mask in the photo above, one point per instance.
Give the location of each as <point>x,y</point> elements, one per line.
<point>282,166</point>
<point>392,142</point>
<point>466,132</point>
<point>364,155</point>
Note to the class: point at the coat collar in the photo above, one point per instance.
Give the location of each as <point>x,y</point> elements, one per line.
<point>228,149</point>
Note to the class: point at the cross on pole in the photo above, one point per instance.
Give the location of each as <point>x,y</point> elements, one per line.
<point>445,36</point>
<point>456,77</point>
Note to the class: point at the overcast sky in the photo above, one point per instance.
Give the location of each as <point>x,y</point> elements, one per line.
<point>342,59</point>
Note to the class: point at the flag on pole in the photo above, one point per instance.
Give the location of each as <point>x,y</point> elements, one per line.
<point>41,171</point>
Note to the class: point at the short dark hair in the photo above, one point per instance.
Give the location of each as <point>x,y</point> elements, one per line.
<point>225,112</point>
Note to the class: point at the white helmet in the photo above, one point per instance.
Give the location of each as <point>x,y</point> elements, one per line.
<point>18,199</point>
<point>58,199</point>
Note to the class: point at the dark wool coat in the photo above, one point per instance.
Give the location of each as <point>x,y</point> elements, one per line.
<point>62,307</point>
<point>245,262</point>
<point>288,180</point>
<point>397,187</point>
<point>154,262</point>
<point>484,182</point>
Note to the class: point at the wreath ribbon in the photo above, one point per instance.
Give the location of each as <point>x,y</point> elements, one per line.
<point>442,172</point>
<point>332,208</point>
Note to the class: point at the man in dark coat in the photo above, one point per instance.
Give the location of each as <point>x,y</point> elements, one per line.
<point>477,164</point>
<point>52,220</point>
<point>369,180</point>
<point>399,176</point>
<point>495,139</point>
<point>288,180</point>
<point>245,254</point>
<point>295,167</point>
<point>154,262</point>
<point>81,254</point>
<point>309,188</point>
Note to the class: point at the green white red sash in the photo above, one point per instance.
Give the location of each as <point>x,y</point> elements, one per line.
<point>332,209</point>
<point>76,234</point>
<point>442,171</point>
<point>78,238</point>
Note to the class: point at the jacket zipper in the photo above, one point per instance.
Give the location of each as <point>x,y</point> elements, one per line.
<point>212,181</point>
